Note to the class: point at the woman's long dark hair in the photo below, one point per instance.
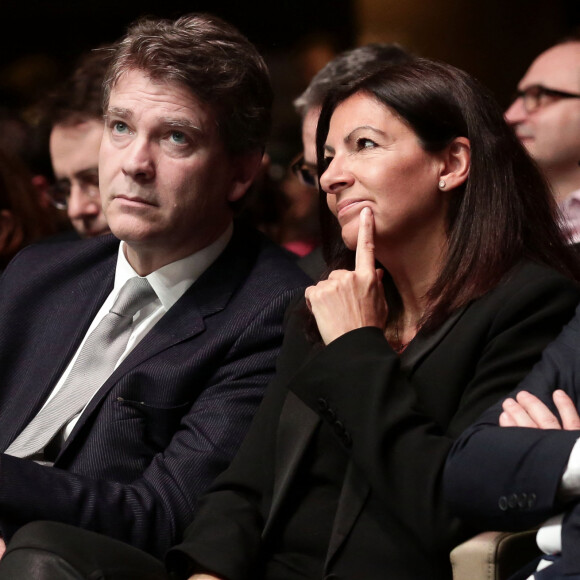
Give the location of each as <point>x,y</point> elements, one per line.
<point>502,213</point>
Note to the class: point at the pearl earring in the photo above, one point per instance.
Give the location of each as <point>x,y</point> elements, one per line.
<point>442,184</point>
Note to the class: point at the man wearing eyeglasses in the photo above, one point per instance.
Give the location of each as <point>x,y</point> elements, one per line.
<point>546,117</point>
<point>75,114</point>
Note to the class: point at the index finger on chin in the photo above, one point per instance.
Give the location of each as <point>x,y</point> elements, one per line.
<point>365,245</point>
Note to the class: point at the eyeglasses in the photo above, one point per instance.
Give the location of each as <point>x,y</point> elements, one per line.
<point>88,184</point>
<point>305,172</point>
<point>537,96</point>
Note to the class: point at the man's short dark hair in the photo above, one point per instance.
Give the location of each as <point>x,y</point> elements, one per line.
<point>211,58</point>
<point>346,67</point>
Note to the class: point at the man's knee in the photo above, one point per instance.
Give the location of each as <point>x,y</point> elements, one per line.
<point>30,555</point>
<point>56,551</point>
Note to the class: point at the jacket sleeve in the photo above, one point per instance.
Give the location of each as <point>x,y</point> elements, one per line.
<point>508,478</point>
<point>152,510</point>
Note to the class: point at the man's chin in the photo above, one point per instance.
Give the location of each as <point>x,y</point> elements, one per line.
<point>87,234</point>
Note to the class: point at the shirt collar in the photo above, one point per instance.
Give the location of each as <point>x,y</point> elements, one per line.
<point>172,280</point>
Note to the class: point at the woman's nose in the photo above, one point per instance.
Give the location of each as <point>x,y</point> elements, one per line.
<point>336,177</point>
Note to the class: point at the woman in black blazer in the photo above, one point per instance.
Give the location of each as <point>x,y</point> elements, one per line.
<point>339,476</point>
<point>448,277</point>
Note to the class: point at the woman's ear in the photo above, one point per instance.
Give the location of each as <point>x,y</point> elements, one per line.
<point>246,168</point>
<point>456,164</point>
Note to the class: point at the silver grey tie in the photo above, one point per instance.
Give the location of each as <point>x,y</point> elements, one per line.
<point>95,363</point>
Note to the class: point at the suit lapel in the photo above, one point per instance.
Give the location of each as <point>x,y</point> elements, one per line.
<point>295,430</point>
<point>424,343</point>
<point>353,495</point>
<point>83,299</point>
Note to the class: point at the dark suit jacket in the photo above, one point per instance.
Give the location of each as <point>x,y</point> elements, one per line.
<point>508,479</point>
<point>173,413</point>
<point>396,418</point>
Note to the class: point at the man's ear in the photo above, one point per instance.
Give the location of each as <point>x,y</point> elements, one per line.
<point>456,159</point>
<point>246,168</point>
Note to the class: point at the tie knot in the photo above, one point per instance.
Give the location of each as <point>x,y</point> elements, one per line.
<point>135,293</point>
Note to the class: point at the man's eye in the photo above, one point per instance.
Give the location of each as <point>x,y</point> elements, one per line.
<point>364,143</point>
<point>178,137</point>
<point>120,127</point>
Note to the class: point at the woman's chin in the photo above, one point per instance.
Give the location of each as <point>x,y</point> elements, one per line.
<point>349,242</point>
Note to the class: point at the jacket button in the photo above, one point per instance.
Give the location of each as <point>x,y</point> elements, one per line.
<point>513,501</point>
<point>347,439</point>
<point>322,404</point>
<point>531,499</point>
<point>523,500</point>
<point>339,428</point>
<point>503,503</point>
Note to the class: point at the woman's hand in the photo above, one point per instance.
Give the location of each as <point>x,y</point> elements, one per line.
<point>528,411</point>
<point>350,300</point>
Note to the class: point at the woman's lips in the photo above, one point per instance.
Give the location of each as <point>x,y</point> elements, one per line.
<point>347,205</point>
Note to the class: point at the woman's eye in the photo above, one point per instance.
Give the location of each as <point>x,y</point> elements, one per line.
<point>364,143</point>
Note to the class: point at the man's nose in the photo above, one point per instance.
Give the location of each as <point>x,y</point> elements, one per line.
<point>516,112</point>
<point>138,160</point>
<point>81,204</point>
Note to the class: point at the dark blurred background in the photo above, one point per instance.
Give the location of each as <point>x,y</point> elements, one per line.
<point>494,40</point>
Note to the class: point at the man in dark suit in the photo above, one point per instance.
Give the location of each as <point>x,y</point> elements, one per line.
<point>187,111</point>
<point>518,466</point>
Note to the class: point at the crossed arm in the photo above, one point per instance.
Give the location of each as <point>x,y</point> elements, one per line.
<point>526,410</point>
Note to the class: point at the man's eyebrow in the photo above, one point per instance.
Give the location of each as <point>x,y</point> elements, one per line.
<point>180,124</point>
<point>118,112</point>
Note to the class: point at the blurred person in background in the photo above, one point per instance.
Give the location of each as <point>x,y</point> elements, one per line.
<point>22,218</point>
<point>74,112</point>
<point>546,117</point>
